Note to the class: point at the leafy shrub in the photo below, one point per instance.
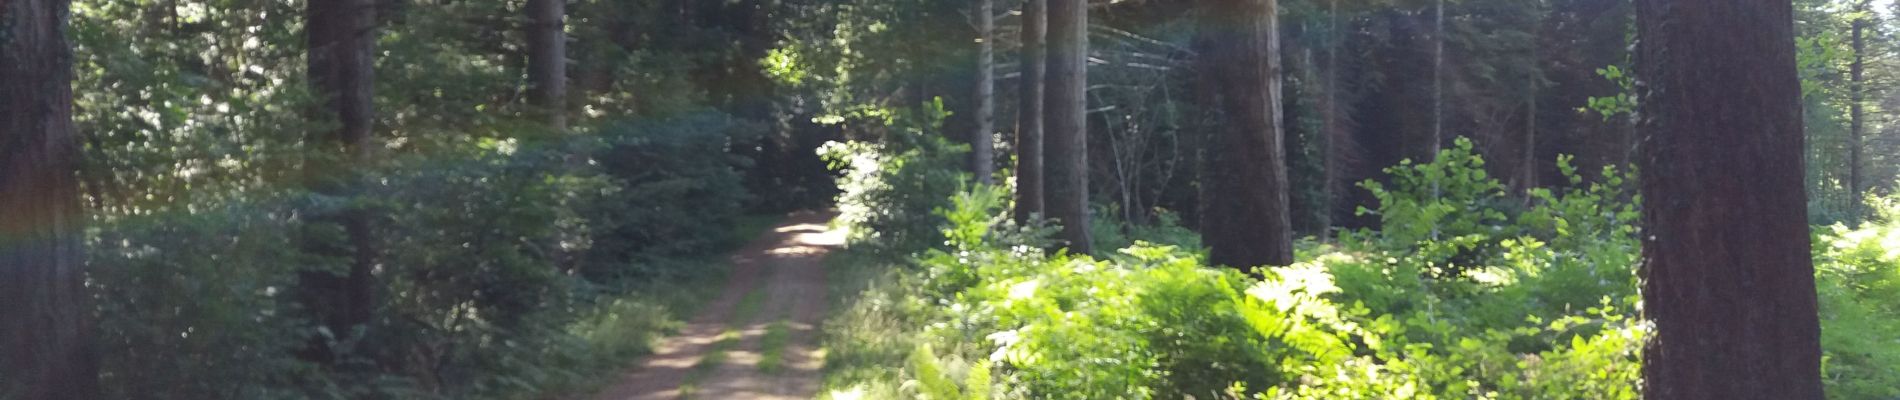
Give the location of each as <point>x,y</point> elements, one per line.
<point>505,267</point>
<point>1538,306</point>
<point>474,252</point>
<point>677,192</point>
<point>1109,231</point>
<point>1858,278</point>
<point>1370,316</point>
<point>188,296</point>
<point>890,189</point>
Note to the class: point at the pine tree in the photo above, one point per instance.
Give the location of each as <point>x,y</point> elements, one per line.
<point>46,348</point>
<point>1065,123</point>
<point>547,60</point>
<point>1728,278</point>
<point>341,38</point>
<point>1247,222</point>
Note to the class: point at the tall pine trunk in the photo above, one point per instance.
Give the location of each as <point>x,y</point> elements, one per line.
<point>547,60</point>
<point>1438,87</point>
<point>1728,278</point>
<point>341,38</point>
<point>982,152</point>
<point>1335,136</point>
<point>46,337</point>
<point>1527,168</point>
<point>1247,221</point>
<point>1064,117</point>
<point>1029,171</point>
<point>1856,106</point>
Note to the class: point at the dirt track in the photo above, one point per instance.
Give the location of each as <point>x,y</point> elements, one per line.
<point>786,266</point>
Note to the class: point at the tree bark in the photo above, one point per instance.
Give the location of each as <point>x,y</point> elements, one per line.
<point>1248,220</point>
<point>1064,118</point>
<point>1728,278</point>
<point>1438,87</point>
<point>341,39</point>
<point>1332,143</point>
<point>982,151</point>
<point>1856,106</point>
<point>1029,172</point>
<point>46,345</point>
<point>1527,179</point>
<point>547,60</point>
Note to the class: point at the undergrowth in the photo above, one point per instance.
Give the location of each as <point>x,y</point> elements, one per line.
<point>1462,292</point>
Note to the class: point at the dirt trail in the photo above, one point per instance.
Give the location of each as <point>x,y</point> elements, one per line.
<point>785,266</point>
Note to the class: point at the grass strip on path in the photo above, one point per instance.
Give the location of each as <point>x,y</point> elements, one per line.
<point>772,353</point>
<point>747,308</point>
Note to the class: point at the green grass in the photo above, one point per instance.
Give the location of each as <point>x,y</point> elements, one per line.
<point>713,358</point>
<point>870,328</point>
<point>625,328</point>
<point>772,347</point>
<point>747,309</point>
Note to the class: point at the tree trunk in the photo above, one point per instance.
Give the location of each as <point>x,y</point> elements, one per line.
<point>1247,222</point>
<point>1029,174</point>
<point>46,342</point>
<point>1064,117</point>
<point>982,152</point>
<point>547,60</point>
<point>1528,171</point>
<point>1728,278</point>
<point>1856,106</point>
<point>341,38</point>
<point>1335,136</point>
<point>1438,88</point>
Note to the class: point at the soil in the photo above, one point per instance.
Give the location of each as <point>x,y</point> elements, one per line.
<point>786,265</point>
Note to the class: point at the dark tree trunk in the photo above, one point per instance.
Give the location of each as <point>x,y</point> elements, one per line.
<point>547,60</point>
<point>1029,174</point>
<point>1527,170</point>
<point>46,343</point>
<point>1727,276</point>
<point>982,151</point>
<point>1247,222</point>
<point>1333,135</point>
<point>1856,106</point>
<point>1064,117</point>
<point>1438,87</point>
<point>1528,163</point>
<point>341,38</point>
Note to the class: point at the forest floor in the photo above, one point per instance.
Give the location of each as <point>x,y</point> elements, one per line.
<point>759,338</point>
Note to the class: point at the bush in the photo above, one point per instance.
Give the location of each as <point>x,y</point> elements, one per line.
<point>505,267</point>
<point>890,189</point>
<point>1858,277</point>
<point>1370,316</point>
<point>1527,298</point>
<point>677,192</point>
<point>189,296</point>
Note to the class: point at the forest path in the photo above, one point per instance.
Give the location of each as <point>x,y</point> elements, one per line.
<point>768,314</point>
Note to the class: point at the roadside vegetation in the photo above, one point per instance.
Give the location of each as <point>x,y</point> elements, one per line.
<point>1460,292</point>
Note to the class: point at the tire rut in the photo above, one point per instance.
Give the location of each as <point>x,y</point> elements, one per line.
<point>787,264</point>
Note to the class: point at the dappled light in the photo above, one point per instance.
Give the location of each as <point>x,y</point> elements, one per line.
<point>949,199</point>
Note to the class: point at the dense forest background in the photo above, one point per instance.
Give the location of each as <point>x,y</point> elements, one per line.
<point>464,199</point>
